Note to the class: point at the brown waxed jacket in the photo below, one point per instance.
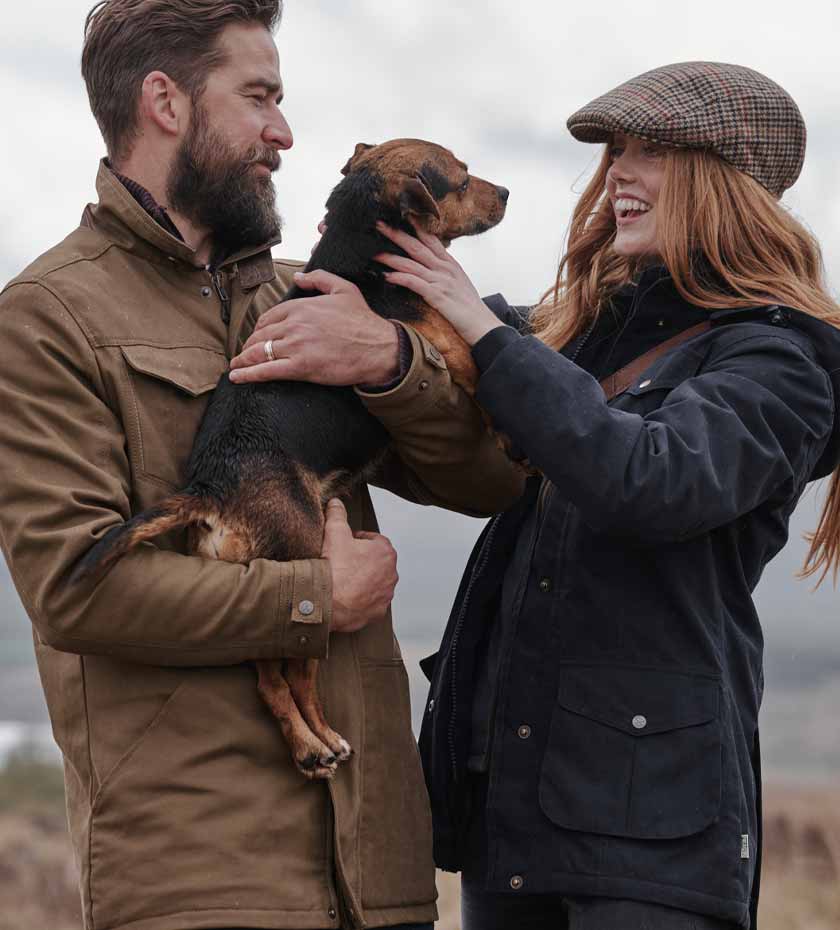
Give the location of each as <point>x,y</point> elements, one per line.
<point>183,804</point>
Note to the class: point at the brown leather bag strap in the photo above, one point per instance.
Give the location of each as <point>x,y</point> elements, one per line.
<point>619,381</point>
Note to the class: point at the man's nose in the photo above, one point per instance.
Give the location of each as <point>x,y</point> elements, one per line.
<point>278,133</point>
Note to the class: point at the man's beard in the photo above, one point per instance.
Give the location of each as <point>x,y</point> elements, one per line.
<point>217,188</point>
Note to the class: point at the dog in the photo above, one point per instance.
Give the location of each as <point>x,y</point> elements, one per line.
<point>268,456</point>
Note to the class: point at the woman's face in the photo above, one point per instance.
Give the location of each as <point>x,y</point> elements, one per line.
<point>633,182</point>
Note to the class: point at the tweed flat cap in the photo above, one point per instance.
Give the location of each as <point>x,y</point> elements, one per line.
<point>735,112</point>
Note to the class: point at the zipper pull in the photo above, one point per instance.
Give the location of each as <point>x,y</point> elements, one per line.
<point>222,294</point>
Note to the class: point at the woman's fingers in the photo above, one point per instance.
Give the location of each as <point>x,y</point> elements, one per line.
<point>413,247</point>
<point>414,283</point>
<point>432,243</point>
<point>399,263</point>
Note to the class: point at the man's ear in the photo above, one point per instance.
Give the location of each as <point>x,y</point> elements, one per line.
<point>416,198</point>
<point>360,147</point>
<point>164,103</point>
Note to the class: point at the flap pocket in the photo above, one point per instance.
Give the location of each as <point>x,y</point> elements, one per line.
<point>633,752</point>
<point>170,388</point>
<point>638,701</point>
<point>191,369</point>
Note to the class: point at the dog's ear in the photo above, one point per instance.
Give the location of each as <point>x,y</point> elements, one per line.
<point>415,197</point>
<point>360,147</point>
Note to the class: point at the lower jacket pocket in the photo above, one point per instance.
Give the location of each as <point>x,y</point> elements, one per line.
<point>633,752</point>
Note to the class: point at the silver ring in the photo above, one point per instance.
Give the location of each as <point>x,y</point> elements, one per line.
<point>268,348</point>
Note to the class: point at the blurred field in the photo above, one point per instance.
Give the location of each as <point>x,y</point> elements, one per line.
<point>800,887</point>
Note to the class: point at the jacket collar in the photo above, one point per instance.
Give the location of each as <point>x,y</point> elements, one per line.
<point>120,218</point>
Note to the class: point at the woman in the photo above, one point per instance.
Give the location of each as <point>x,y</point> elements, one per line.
<point>591,738</point>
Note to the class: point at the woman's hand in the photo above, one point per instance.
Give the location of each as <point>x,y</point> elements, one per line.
<point>433,274</point>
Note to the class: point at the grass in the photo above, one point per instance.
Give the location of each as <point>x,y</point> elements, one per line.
<point>800,886</point>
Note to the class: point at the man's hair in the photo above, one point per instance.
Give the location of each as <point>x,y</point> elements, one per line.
<point>127,39</point>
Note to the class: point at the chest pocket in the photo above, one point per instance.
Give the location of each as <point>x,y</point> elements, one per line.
<point>170,389</point>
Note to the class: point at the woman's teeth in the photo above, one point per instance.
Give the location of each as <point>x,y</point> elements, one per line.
<point>624,205</point>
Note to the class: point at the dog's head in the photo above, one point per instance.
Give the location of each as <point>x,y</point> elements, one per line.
<point>427,184</point>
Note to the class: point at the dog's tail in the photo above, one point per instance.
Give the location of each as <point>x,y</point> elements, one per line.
<point>178,511</point>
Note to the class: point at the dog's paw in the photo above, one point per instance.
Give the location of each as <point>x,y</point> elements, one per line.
<point>318,765</point>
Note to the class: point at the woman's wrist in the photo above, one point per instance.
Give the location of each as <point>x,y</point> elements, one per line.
<point>478,325</point>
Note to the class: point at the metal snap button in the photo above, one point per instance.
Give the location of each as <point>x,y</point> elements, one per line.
<point>524,731</point>
<point>431,705</point>
<point>205,292</point>
<point>332,914</point>
<point>644,384</point>
<point>545,585</point>
<point>423,385</point>
<point>306,608</point>
<point>303,640</point>
<point>516,882</point>
<point>639,722</point>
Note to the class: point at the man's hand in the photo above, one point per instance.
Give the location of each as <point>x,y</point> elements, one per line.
<point>332,339</point>
<point>364,572</point>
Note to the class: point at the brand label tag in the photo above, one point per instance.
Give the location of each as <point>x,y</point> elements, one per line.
<point>745,846</point>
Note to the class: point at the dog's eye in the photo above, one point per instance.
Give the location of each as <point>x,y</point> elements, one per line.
<point>463,188</point>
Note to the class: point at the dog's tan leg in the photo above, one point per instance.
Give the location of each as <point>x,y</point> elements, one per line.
<point>302,675</point>
<point>446,339</point>
<point>312,758</point>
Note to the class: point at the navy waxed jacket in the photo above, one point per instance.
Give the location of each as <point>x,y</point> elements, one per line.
<point>625,755</point>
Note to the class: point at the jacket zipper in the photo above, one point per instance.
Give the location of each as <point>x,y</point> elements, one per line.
<point>453,647</point>
<point>221,293</point>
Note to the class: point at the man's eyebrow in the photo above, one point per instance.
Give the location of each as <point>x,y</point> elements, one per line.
<point>269,86</point>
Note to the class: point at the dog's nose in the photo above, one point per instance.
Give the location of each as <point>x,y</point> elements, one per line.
<point>503,193</point>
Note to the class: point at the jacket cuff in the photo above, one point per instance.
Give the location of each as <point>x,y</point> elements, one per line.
<point>491,344</point>
<point>305,612</point>
<point>426,382</point>
<point>405,356</point>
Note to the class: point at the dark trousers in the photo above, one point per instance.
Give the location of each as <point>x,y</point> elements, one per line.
<point>483,910</point>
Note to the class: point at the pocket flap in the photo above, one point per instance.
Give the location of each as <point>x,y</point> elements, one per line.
<point>654,701</point>
<point>193,370</point>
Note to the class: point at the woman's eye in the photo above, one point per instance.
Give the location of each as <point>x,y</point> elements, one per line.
<point>652,150</point>
<point>615,151</point>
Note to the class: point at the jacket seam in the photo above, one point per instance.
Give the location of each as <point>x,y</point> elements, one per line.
<point>76,260</point>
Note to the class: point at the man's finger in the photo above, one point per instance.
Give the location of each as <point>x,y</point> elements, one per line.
<point>282,369</point>
<point>274,315</point>
<point>336,527</point>
<point>276,333</point>
<point>323,281</point>
<point>365,534</point>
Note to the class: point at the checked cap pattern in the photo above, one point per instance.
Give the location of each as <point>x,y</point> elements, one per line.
<point>735,112</point>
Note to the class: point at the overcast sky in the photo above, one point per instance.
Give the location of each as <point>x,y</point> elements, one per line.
<point>494,81</point>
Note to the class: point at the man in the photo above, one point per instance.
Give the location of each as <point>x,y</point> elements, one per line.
<point>184,807</point>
